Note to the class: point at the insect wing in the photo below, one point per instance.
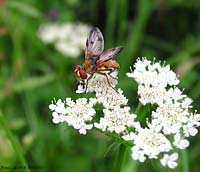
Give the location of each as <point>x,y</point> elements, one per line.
<point>94,43</point>
<point>110,53</point>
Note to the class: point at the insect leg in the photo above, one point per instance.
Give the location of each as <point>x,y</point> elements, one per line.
<point>88,79</point>
<point>110,70</point>
<point>100,71</point>
<point>109,73</point>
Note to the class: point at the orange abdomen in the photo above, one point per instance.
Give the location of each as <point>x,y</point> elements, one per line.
<point>107,64</point>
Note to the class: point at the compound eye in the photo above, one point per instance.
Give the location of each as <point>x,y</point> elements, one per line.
<point>77,67</point>
<point>83,74</point>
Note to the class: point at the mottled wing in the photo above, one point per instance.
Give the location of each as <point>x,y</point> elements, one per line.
<point>110,53</point>
<point>94,43</point>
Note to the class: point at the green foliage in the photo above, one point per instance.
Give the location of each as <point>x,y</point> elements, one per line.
<point>33,73</point>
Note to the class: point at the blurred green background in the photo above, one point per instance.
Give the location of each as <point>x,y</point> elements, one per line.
<point>32,73</point>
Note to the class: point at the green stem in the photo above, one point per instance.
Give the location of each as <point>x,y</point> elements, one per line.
<point>13,141</point>
<point>143,114</point>
<point>185,161</point>
<point>138,108</point>
<point>118,139</point>
<point>120,157</point>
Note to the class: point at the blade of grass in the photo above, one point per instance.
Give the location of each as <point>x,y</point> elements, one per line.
<point>111,9</point>
<point>120,158</point>
<point>195,93</point>
<point>144,10</point>
<point>13,141</point>
<point>123,20</point>
<point>24,8</point>
<point>33,119</point>
<point>160,44</point>
<point>185,53</point>
<point>28,84</point>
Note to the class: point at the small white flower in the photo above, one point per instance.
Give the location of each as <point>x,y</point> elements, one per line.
<point>186,103</point>
<point>190,129</point>
<point>80,89</point>
<point>69,102</point>
<point>170,160</point>
<point>173,95</point>
<point>57,118</point>
<point>83,129</point>
<point>129,137</point>
<point>137,154</point>
<point>179,142</point>
<point>58,107</point>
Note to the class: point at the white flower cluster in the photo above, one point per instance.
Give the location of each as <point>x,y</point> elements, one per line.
<point>153,80</point>
<point>117,119</point>
<point>172,117</point>
<point>116,114</point>
<point>77,114</point>
<point>167,129</point>
<point>105,89</point>
<point>149,143</point>
<point>68,38</point>
<point>99,83</point>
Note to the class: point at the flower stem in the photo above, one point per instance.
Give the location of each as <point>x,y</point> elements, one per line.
<point>120,157</point>
<point>10,136</point>
<point>116,138</point>
<point>138,108</point>
<point>185,161</point>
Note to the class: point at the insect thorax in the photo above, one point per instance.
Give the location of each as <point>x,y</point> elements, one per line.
<point>87,66</point>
